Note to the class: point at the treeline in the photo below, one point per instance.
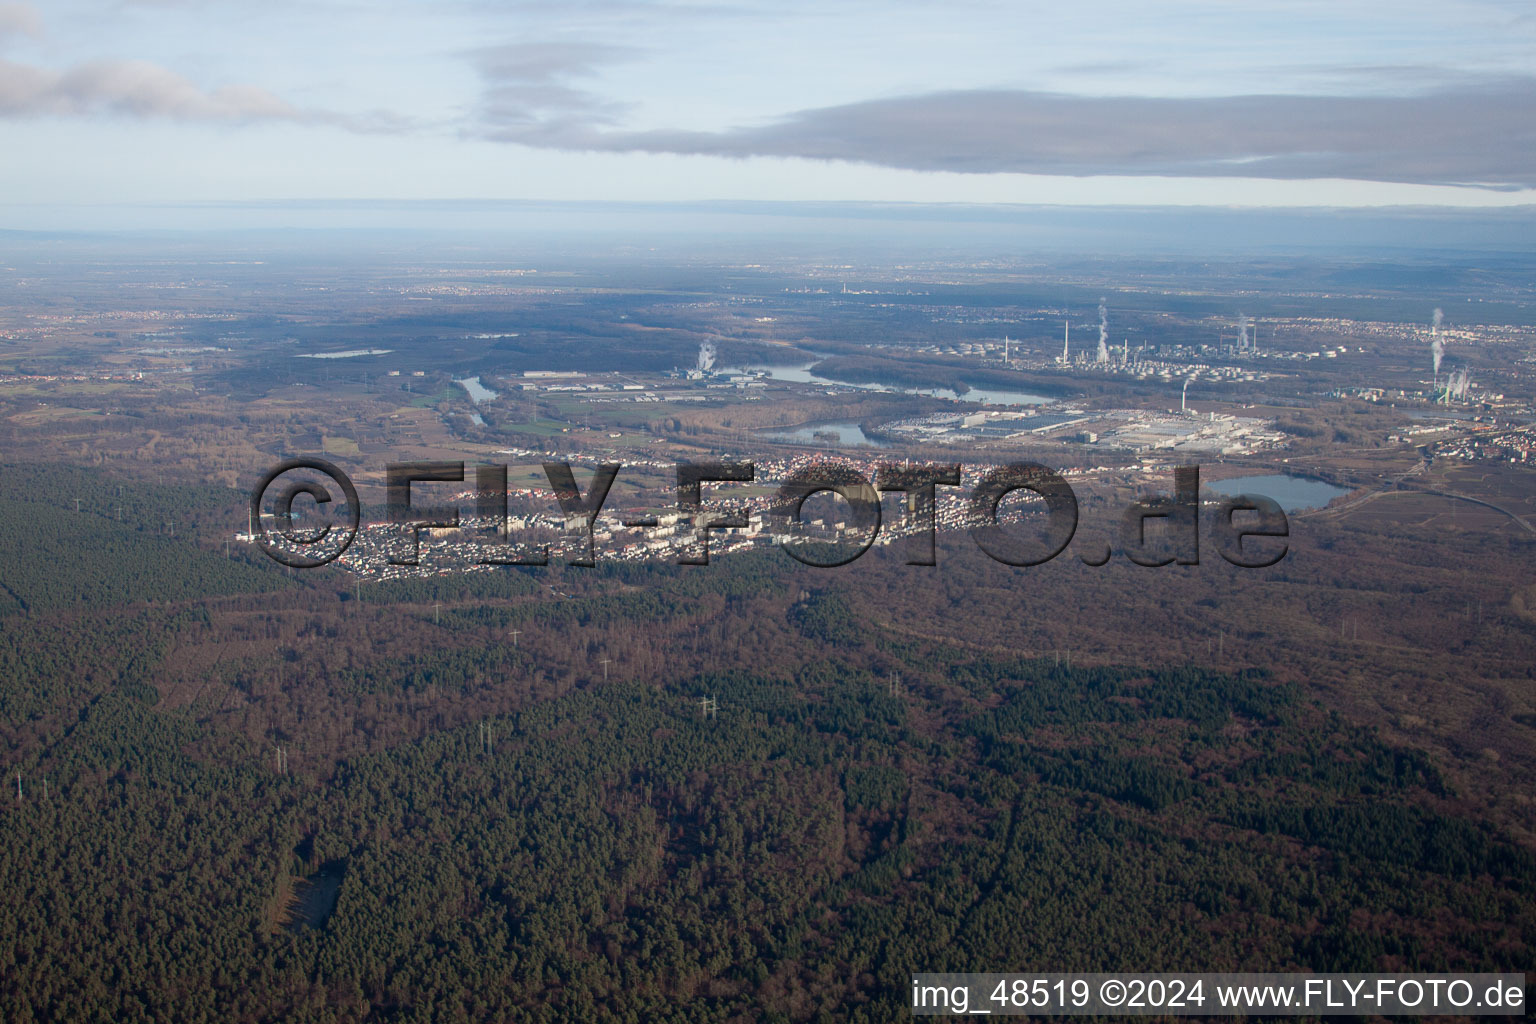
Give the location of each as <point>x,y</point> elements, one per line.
<point>618,854</point>
<point>782,802</point>
<point>56,559</point>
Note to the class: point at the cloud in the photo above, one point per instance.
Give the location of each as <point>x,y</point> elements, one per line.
<point>528,86</point>
<point>141,89</point>
<point>130,87</point>
<point>1482,134</point>
<point>20,20</point>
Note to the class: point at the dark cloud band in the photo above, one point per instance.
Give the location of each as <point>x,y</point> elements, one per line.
<point>1483,135</point>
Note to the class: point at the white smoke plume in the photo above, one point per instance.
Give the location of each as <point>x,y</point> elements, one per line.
<point>1457,387</point>
<point>706,357</point>
<point>1436,346</point>
<point>1242,323</point>
<point>1103,332</point>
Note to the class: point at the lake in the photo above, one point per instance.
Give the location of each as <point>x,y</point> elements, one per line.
<point>847,434</point>
<point>477,392</point>
<point>1293,493</point>
<point>802,375</point>
<point>351,353</point>
<point>986,396</point>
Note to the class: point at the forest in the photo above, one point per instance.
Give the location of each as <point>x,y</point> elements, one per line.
<point>747,792</point>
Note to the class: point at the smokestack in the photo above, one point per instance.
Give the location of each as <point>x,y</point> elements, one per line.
<point>1436,346</point>
<point>1461,383</point>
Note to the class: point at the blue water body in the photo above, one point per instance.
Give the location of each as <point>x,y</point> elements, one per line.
<point>847,434</point>
<point>986,396</point>
<point>1293,493</point>
<point>477,392</point>
<point>351,353</point>
<point>803,375</point>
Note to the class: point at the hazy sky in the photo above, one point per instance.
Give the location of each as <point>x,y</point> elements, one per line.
<point>1085,102</point>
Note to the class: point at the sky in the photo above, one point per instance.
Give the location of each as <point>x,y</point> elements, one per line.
<point>1093,102</point>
